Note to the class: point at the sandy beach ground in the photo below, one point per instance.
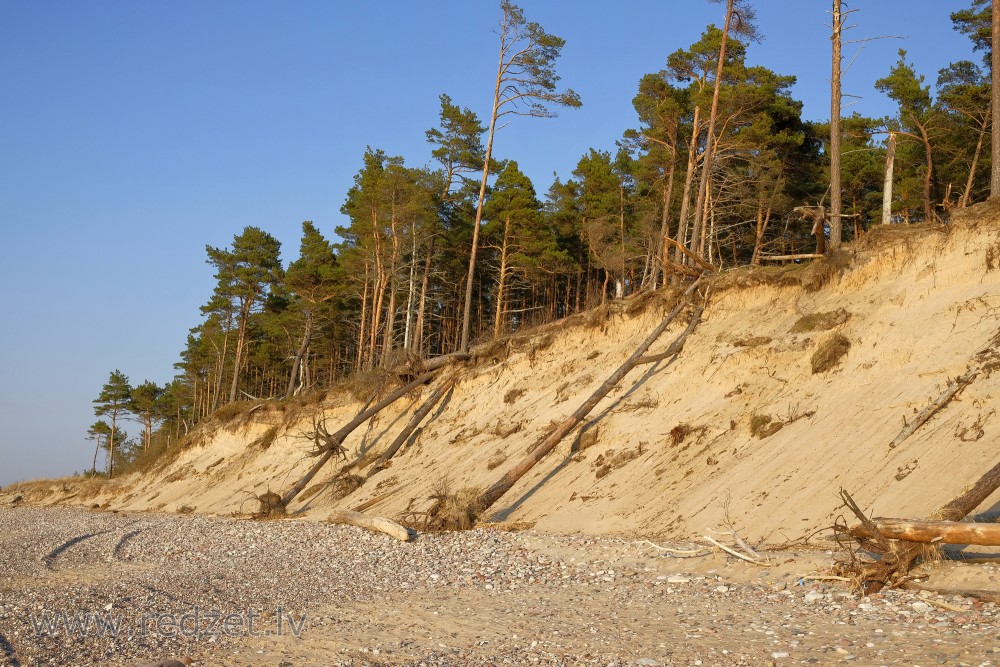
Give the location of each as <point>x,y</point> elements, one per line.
<point>80,587</point>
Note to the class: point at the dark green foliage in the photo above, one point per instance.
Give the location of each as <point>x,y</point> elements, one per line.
<point>113,402</point>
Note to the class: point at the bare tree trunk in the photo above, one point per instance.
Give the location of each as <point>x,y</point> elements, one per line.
<point>96,449</point>
<point>495,492</point>
<point>928,176</point>
<point>964,201</point>
<point>501,280</point>
<point>240,348</point>
<point>890,162</point>
<point>944,532</point>
<point>835,99</point>
<point>418,336</point>
<point>692,164</point>
<point>706,168</point>
<point>411,288</point>
<point>995,174</point>
<point>668,195</point>
<point>300,355</point>
<point>361,326</point>
<point>410,427</point>
<point>467,311</point>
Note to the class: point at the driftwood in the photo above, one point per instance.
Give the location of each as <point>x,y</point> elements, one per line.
<point>935,405</point>
<point>333,442</point>
<point>933,532</point>
<point>896,558</point>
<point>374,523</point>
<point>415,420</point>
<point>547,444</point>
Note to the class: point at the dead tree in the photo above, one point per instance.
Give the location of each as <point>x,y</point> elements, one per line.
<point>332,444</point>
<point>547,444</point>
<point>382,461</point>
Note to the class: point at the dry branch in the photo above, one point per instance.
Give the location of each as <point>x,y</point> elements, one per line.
<point>374,523</point>
<point>733,552</point>
<point>937,404</point>
<point>690,255</point>
<point>546,445</point>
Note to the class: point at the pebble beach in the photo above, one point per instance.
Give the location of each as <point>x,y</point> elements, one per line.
<point>79,587</point>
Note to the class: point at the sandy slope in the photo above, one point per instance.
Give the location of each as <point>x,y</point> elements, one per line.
<point>674,453</point>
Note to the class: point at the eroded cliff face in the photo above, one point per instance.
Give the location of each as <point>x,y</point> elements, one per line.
<point>742,428</point>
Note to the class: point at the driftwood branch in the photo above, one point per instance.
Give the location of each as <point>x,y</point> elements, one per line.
<point>935,405</point>
<point>733,552</point>
<point>374,523</point>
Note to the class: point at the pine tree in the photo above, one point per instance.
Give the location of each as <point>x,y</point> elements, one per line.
<point>144,404</point>
<point>244,275</point>
<point>315,280</point>
<point>113,402</point>
<point>526,85</point>
<point>98,432</point>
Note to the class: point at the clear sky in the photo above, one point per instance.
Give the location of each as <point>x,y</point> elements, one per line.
<point>133,132</point>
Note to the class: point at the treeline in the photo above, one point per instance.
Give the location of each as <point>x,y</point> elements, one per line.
<point>721,170</point>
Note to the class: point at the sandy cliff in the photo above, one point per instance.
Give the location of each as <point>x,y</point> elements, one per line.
<point>681,446</point>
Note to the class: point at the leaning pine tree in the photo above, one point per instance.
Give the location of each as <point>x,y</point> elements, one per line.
<point>525,86</point>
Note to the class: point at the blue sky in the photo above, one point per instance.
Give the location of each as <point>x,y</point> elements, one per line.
<point>133,132</point>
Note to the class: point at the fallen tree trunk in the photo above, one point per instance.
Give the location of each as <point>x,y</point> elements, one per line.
<point>897,558</point>
<point>333,442</point>
<point>785,258</point>
<point>411,426</point>
<point>935,405</point>
<point>374,523</point>
<point>444,360</point>
<point>934,532</point>
<point>547,444</point>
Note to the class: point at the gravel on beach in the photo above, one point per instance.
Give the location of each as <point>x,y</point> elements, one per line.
<point>79,588</point>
